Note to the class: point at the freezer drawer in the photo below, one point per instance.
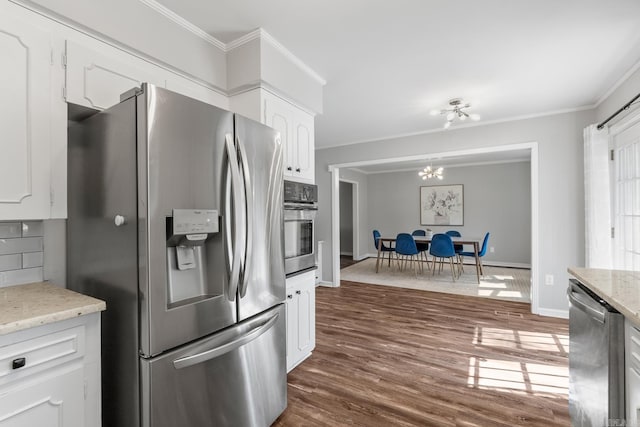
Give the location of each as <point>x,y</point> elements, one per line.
<point>236,377</point>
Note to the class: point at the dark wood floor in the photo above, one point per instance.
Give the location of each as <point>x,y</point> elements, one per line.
<point>346,261</point>
<point>400,357</point>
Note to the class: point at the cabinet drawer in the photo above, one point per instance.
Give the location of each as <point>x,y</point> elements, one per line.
<point>41,353</point>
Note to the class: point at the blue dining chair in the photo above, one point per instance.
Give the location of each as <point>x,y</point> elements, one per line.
<point>383,248</point>
<point>457,248</point>
<point>481,253</point>
<point>423,248</point>
<point>406,249</point>
<point>442,247</point>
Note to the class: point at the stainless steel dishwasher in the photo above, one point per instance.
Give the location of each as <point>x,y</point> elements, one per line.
<point>596,360</point>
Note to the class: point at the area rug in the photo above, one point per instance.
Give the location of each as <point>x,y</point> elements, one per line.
<point>513,284</point>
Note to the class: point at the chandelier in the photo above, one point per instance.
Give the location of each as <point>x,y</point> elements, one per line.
<point>430,172</point>
<point>457,109</point>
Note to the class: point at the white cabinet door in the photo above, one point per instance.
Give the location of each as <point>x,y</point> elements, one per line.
<point>306,305</point>
<point>632,373</point>
<point>296,131</point>
<point>97,75</point>
<point>55,401</point>
<point>25,88</point>
<point>291,305</point>
<point>304,158</point>
<point>301,318</point>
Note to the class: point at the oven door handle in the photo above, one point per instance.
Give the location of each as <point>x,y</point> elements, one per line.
<point>581,302</point>
<point>300,207</point>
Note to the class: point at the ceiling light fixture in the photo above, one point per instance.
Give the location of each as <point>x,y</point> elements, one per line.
<point>457,107</point>
<point>430,172</point>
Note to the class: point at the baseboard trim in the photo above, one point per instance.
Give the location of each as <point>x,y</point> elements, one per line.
<point>326,284</point>
<point>551,312</point>
<point>346,253</point>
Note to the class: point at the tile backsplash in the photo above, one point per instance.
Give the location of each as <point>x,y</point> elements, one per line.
<point>21,252</point>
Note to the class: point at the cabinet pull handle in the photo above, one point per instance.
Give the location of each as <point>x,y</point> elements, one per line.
<point>298,292</point>
<point>18,363</point>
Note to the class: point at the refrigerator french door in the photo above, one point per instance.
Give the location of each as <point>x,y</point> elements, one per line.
<point>175,220</point>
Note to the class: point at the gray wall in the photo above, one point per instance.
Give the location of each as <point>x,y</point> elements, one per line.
<point>346,218</point>
<point>497,199</point>
<point>561,204</point>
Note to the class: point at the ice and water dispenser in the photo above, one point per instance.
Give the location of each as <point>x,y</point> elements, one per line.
<point>187,233</point>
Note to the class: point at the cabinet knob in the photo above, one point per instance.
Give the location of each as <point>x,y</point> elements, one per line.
<point>297,169</point>
<point>298,292</point>
<point>119,220</point>
<point>290,296</point>
<point>18,363</point>
<point>289,168</point>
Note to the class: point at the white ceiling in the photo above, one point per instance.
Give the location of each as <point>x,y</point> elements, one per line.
<point>388,63</point>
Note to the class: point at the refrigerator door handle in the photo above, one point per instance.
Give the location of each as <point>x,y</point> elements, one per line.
<point>239,232</point>
<point>222,348</point>
<point>582,304</point>
<point>248,193</point>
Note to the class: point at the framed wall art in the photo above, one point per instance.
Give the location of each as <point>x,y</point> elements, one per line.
<point>442,205</point>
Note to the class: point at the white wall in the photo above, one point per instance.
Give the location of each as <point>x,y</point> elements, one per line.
<point>365,238</point>
<point>561,205</point>
<point>497,199</point>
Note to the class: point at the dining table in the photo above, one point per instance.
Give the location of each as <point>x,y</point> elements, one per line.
<point>474,241</point>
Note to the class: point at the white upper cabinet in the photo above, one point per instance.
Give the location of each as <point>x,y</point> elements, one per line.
<point>25,119</point>
<point>97,75</point>
<point>296,130</point>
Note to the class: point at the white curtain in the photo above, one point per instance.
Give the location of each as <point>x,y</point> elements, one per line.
<point>597,194</point>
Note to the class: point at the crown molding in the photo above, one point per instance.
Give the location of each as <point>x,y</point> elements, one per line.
<point>617,84</point>
<point>258,33</point>
<point>464,126</point>
<point>261,34</point>
<point>445,166</point>
<point>171,15</point>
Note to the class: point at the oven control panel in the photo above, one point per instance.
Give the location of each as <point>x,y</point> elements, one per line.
<point>299,192</point>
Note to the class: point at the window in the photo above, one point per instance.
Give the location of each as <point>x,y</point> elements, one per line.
<point>626,199</point>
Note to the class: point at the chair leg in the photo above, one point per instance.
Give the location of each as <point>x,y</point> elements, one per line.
<point>453,274</point>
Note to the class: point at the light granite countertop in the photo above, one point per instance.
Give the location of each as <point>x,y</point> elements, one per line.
<point>36,304</point>
<point>621,289</point>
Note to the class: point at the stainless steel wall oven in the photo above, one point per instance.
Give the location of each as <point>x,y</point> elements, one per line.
<point>300,207</point>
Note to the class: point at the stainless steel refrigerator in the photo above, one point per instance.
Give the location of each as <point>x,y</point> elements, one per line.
<point>175,220</point>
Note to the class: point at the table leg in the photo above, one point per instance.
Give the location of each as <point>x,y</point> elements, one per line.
<point>378,258</point>
<point>475,253</point>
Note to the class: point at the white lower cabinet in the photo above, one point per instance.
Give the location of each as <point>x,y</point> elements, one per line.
<point>50,375</point>
<point>301,318</point>
<point>632,373</point>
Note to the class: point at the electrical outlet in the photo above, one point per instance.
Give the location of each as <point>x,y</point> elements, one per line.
<point>492,249</point>
<point>548,279</point>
